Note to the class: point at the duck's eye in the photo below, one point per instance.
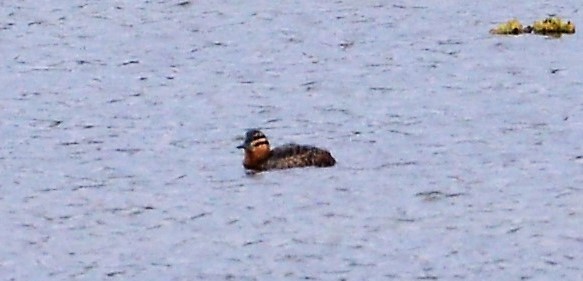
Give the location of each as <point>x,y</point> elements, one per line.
<point>258,136</point>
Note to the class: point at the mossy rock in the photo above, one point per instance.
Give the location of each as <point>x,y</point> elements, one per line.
<point>510,27</point>
<point>549,26</point>
<point>553,25</point>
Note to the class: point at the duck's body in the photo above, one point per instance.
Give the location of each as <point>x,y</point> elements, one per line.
<point>290,156</point>
<point>259,156</point>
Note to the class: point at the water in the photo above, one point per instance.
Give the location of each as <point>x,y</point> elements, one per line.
<point>459,153</point>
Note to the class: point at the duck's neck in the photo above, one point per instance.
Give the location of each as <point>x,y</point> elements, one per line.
<point>253,160</point>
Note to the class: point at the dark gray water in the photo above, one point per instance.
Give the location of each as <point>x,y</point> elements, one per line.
<point>459,153</point>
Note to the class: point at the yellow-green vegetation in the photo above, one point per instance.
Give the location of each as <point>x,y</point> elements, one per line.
<point>549,26</point>
<point>553,25</point>
<point>512,26</point>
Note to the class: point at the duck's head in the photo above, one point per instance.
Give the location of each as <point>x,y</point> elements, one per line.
<point>256,148</point>
<point>254,139</point>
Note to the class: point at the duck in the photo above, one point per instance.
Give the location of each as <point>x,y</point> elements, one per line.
<point>260,157</point>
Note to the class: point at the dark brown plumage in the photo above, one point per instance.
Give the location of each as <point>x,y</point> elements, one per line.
<point>259,156</point>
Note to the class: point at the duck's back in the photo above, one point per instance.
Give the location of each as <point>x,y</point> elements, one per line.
<point>294,155</point>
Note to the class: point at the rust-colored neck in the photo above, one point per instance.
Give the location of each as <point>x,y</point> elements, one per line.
<point>254,158</point>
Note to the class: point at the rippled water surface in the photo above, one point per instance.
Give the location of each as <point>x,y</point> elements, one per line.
<point>459,153</point>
